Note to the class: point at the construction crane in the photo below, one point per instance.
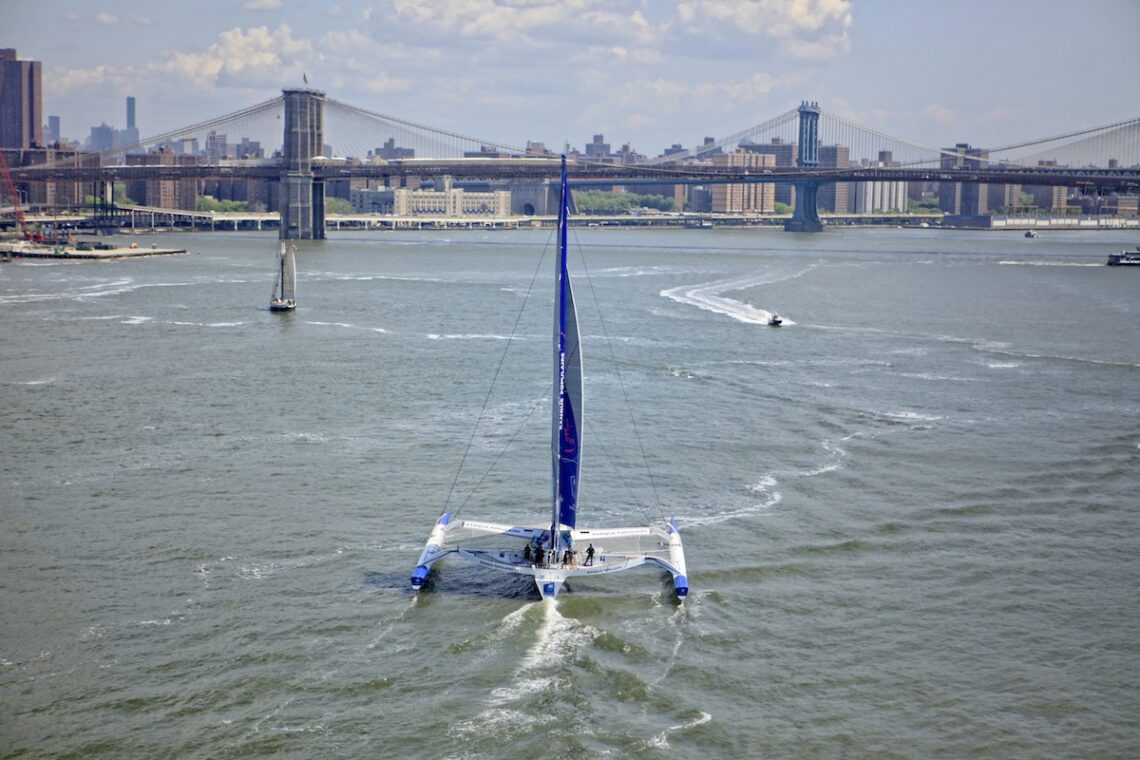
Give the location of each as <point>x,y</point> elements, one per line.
<point>15,197</point>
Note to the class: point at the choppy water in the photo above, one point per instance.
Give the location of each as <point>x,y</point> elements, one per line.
<point>910,515</point>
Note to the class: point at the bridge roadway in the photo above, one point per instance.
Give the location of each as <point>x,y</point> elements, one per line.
<point>592,173</point>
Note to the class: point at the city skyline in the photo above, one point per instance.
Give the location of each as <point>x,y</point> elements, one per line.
<point>645,74</point>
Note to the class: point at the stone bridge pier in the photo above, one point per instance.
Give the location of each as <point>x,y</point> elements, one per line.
<point>805,217</point>
<point>302,198</point>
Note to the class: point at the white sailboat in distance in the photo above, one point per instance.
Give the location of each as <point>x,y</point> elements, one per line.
<point>285,287</point>
<point>555,551</point>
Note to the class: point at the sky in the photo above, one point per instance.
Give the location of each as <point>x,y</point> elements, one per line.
<point>650,73</point>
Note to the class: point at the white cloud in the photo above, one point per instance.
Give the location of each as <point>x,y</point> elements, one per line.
<point>940,114</point>
<point>70,81</point>
<point>106,18</point>
<point>250,57</point>
<point>261,5</point>
<point>802,28</point>
<point>516,22</point>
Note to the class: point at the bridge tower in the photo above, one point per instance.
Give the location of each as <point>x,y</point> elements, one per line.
<point>302,198</point>
<point>805,217</point>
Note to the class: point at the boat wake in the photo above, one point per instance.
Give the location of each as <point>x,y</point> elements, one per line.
<point>558,640</point>
<point>709,296</point>
<point>1049,264</point>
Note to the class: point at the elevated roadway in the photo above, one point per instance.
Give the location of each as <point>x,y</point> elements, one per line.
<point>590,173</point>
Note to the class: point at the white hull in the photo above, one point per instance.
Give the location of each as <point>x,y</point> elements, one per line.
<point>504,548</point>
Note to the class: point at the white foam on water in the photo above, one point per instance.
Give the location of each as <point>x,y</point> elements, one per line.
<point>557,640</point>
<point>347,325</point>
<point>206,324</point>
<point>1050,264</point>
<point>907,416</point>
<point>391,624</point>
<point>661,740</point>
<point>709,296</point>
<point>766,486</point>
<point>635,271</point>
<point>469,336</point>
<point>135,320</point>
<point>44,381</point>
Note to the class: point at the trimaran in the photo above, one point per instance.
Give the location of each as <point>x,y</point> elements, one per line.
<point>554,552</point>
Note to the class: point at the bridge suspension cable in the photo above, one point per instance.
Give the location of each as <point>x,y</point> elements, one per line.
<point>203,128</point>
<point>775,127</point>
<point>357,131</point>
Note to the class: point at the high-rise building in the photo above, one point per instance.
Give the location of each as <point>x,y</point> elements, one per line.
<point>745,198</point>
<point>53,135</point>
<point>129,136</point>
<point>963,197</point>
<point>785,154</point>
<point>874,197</point>
<point>599,148</point>
<point>102,137</point>
<point>21,102</point>
<point>834,196</point>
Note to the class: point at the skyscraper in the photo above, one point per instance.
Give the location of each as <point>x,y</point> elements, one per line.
<point>21,102</point>
<point>130,135</point>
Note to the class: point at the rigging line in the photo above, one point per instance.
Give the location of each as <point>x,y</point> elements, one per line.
<point>490,390</point>
<point>621,385</point>
<point>502,451</point>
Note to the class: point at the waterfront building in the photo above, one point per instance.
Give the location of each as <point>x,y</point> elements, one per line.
<point>744,198</point>
<point>451,202</point>
<point>876,197</point>
<point>163,193</point>
<point>21,102</point>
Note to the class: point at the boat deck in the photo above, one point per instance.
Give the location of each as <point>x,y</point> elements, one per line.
<point>71,253</point>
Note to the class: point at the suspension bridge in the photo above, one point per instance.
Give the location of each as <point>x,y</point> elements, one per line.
<point>303,141</point>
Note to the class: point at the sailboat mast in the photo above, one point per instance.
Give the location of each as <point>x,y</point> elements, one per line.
<point>559,393</point>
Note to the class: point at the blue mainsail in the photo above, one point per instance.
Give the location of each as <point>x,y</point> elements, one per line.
<point>566,424</point>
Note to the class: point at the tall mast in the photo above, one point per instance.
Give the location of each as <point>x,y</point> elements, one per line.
<point>559,359</point>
